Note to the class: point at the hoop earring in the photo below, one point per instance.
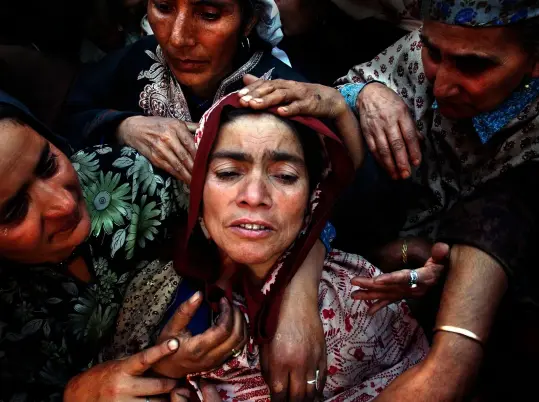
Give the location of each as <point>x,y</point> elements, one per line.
<point>245,44</point>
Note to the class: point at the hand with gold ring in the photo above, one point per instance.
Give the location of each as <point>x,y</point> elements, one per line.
<point>402,284</point>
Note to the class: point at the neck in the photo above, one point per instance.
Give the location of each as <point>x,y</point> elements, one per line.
<point>257,273</point>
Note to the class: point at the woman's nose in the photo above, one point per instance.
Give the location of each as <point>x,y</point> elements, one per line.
<point>182,33</point>
<point>445,84</point>
<point>55,201</point>
<point>255,193</point>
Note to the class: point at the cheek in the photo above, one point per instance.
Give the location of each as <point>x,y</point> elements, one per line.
<point>215,200</point>
<point>291,206</point>
<point>221,43</point>
<point>428,65</point>
<point>23,238</point>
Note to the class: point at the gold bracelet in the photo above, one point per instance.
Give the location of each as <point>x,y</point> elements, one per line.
<point>404,252</point>
<point>460,331</point>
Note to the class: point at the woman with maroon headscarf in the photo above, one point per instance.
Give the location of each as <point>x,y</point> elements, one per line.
<point>261,191</point>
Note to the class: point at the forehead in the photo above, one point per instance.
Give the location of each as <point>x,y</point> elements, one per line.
<point>20,150</point>
<point>258,133</point>
<point>459,39</point>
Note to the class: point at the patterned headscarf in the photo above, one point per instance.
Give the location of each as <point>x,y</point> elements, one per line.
<point>268,27</point>
<point>480,13</point>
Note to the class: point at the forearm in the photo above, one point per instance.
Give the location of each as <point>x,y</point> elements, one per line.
<point>474,288</point>
<point>307,279</point>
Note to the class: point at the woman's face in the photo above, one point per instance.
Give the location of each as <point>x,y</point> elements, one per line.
<point>199,39</point>
<point>43,215</point>
<point>256,191</point>
<point>474,70</point>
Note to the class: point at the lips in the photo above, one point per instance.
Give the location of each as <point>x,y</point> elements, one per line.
<point>252,229</point>
<point>190,64</point>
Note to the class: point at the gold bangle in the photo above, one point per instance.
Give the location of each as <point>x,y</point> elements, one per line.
<point>404,252</point>
<point>460,331</point>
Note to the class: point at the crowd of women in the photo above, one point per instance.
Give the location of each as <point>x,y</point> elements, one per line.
<point>191,219</point>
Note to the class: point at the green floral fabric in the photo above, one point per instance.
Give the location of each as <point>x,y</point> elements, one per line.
<point>52,325</point>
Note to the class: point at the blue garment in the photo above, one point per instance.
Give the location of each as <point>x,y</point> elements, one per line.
<point>480,13</point>
<point>350,92</point>
<point>489,123</point>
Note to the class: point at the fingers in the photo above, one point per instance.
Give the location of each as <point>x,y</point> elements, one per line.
<point>180,395</point>
<point>183,315</point>
<point>440,252</point>
<point>192,127</point>
<point>167,160</point>
<point>199,346</point>
<point>248,79</point>
<point>379,305</point>
<point>411,137</point>
<point>142,361</point>
<point>384,154</point>
<point>187,140</point>
<point>399,152</point>
<point>298,385</point>
<point>401,277</point>
<point>143,386</point>
<point>236,340</point>
<point>278,386</point>
<point>209,392</point>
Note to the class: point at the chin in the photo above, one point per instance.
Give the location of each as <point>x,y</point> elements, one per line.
<point>453,113</point>
<point>250,257</point>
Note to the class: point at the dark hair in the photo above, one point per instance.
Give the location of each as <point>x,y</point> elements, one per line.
<point>13,114</point>
<point>250,9</point>
<point>309,140</point>
<point>528,32</point>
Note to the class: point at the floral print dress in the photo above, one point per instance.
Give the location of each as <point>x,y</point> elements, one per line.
<point>53,325</point>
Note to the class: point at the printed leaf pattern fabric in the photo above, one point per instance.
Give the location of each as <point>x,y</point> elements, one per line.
<point>53,326</point>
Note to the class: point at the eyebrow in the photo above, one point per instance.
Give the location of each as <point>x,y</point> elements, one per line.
<point>463,55</point>
<point>274,156</point>
<point>214,3</point>
<point>43,157</point>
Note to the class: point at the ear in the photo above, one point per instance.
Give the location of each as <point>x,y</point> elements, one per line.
<point>250,26</point>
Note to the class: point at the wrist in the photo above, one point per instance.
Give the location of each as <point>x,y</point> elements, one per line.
<point>454,359</point>
<point>125,127</point>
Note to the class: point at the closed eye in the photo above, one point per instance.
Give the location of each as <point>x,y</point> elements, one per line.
<point>472,65</point>
<point>162,6</point>
<point>226,175</point>
<point>15,210</point>
<point>287,178</point>
<point>48,167</point>
<point>209,13</point>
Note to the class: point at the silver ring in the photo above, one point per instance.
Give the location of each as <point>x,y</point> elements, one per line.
<point>413,279</point>
<point>148,399</point>
<point>315,381</point>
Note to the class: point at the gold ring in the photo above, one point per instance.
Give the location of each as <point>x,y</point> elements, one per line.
<point>404,252</point>
<point>236,353</point>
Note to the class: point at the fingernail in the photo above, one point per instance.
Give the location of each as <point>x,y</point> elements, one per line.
<point>243,92</point>
<point>258,100</point>
<point>284,109</point>
<point>173,344</point>
<point>416,162</point>
<point>247,98</point>
<point>196,297</point>
<point>405,174</point>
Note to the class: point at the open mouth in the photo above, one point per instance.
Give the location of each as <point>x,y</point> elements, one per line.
<point>253,226</point>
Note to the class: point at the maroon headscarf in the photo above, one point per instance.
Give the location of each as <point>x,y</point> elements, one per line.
<point>197,257</point>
